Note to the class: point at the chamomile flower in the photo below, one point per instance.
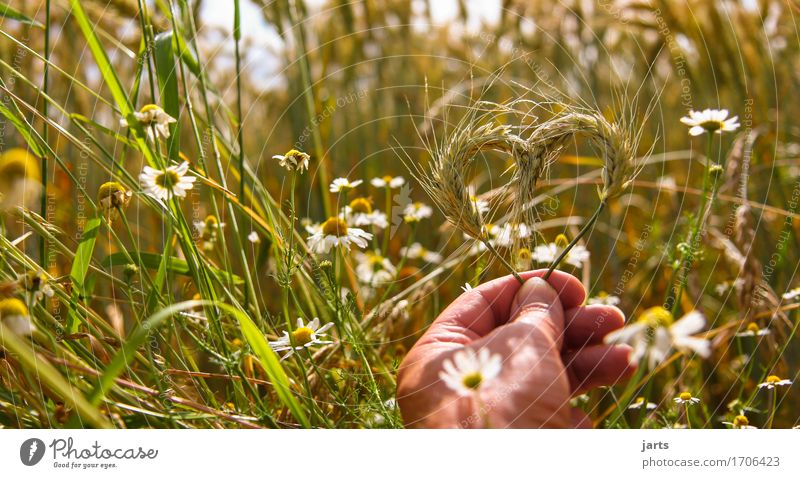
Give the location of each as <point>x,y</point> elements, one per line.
<point>467,373</point>
<point>113,197</point>
<point>740,422</point>
<point>418,251</point>
<point>14,316</point>
<point>209,230</point>
<point>753,330</point>
<point>509,234</point>
<point>710,120</point>
<point>604,299</point>
<point>152,116</point>
<point>165,184</point>
<point>774,381</point>
<point>344,185</point>
<point>292,160</point>
<point>360,213</point>
<point>641,402</point>
<point>336,233</point>
<point>373,269</point>
<point>686,398</point>
<point>302,337</point>
<point>479,206</point>
<point>416,212</point>
<point>523,258</point>
<point>388,182</point>
<point>35,285</point>
<point>655,333</point>
<point>547,253</point>
<point>791,294</point>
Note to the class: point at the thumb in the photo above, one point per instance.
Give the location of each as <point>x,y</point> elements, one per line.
<point>537,303</point>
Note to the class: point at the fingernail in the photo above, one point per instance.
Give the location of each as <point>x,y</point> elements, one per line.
<point>534,291</point>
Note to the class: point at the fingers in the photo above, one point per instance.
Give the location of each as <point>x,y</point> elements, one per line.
<point>477,312</point>
<point>587,325</point>
<point>597,365</point>
<point>537,304</point>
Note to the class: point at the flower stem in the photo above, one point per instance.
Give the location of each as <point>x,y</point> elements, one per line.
<point>577,238</point>
<point>773,406</point>
<point>503,261</point>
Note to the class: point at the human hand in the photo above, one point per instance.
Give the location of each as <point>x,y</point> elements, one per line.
<point>551,347</point>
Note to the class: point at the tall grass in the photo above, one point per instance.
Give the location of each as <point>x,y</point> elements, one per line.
<point>155,322</point>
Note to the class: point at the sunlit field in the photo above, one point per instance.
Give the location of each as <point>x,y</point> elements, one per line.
<point>244,214</point>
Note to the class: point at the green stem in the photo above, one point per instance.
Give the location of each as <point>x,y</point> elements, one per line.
<point>503,261</point>
<point>577,238</point>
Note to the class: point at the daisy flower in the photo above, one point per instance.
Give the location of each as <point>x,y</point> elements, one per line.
<point>388,182</point>
<point>508,234</point>
<point>713,121</point>
<point>302,337</point>
<point>774,381</point>
<point>36,286</point>
<point>686,398</point>
<point>152,116</point>
<point>163,185</point>
<point>655,334</point>
<point>741,422</point>
<point>360,213</point>
<point>374,269</point>
<point>416,212</point>
<point>523,258</point>
<point>640,402</point>
<point>14,316</point>
<point>791,294</point>
<point>344,185</point>
<point>418,251</point>
<point>335,233</point>
<point>547,253</point>
<point>753,330</point>
<point>468,372</point>
<point>604,299</point>
<point>294,159</point>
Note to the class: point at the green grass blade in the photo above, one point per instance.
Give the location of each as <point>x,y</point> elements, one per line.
<point>8,12</point>
<point>83,255</point>
<point>168,86</point>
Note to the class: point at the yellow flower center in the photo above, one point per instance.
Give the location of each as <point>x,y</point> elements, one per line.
<point>685,396</point>
<point>302,336</point>
<point>211,222</point>
<point>114,192</point>
<point>11,307</point>
<point>524,254</point>
<point>656,317</point>
<point>360,206</point>
<point>334,227</point>
<point>639,400</point>
<point>168,179</point>
<point>711,125</point>
<point>150,107</point>
<point>472,380</point>
<point>16,164</point>
<point>741,421</point>
<point>561,241</point>
<point>386,179</point>
<point>753,327</point>
<point>773,379</point>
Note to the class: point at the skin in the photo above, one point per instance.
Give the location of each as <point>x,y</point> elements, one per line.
<point>551,346</point>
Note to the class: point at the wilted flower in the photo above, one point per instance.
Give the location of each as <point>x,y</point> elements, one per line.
<point>35,285</point>
<point>344,185</point>
<point>165,184</point>
<point>388,182</point>
<point>14,316</point>
<point>302,337</point>
<point>294,159</point>
<point>710,120</point>
<point>152,116</point>
<point>655,333</point>
<point>113,198</point>
<point>335,233</point>
<point>469,372</point>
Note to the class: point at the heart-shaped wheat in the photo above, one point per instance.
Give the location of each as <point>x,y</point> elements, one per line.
<point>542,144</point>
